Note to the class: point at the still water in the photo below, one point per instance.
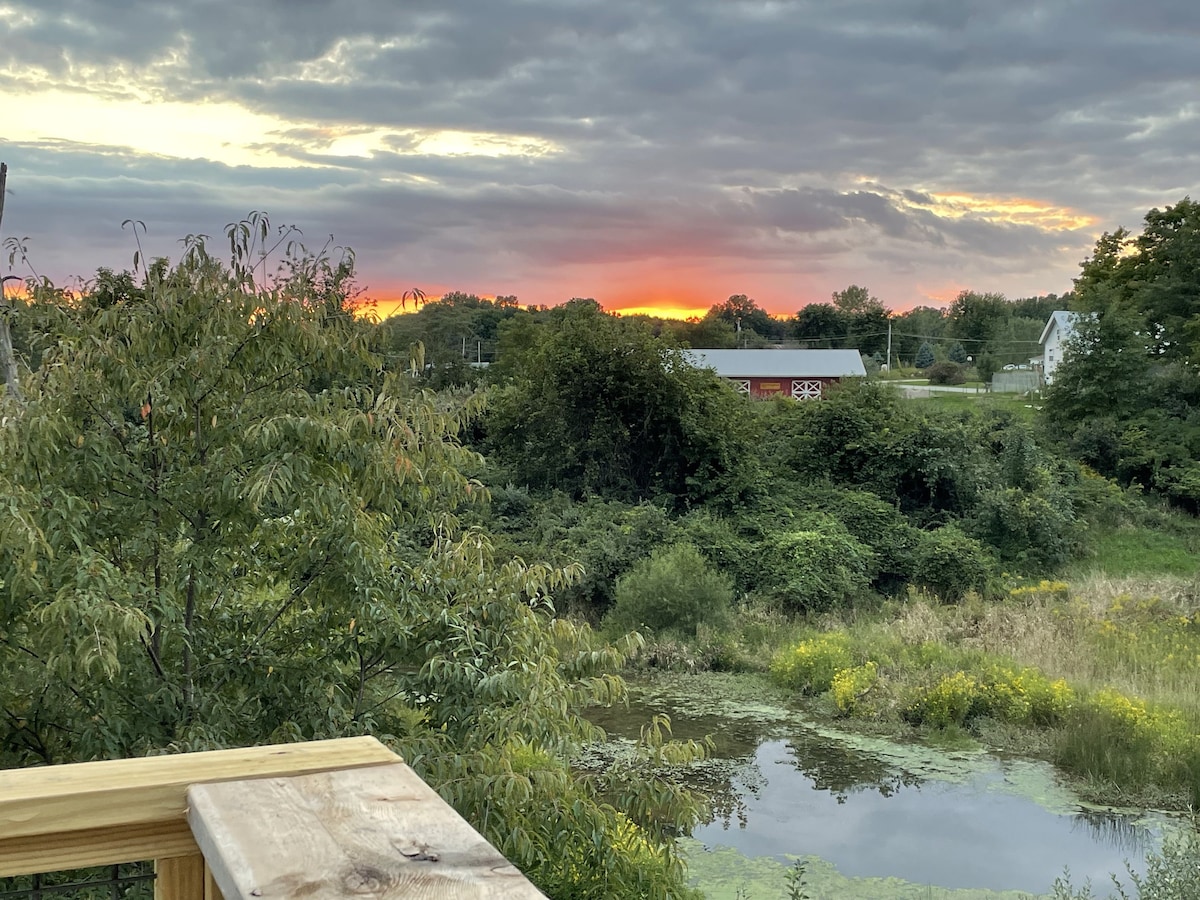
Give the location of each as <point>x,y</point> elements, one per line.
<point>784,787</point>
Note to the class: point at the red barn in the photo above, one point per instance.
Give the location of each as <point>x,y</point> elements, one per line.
<point>800,374</point>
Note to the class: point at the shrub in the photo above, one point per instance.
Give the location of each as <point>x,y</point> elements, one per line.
<point>1034,532</point>
<point>948,564</point>
<point>1026,697</point>
<point>946,373</point>
<point>606,537</point>
<point>819,568</point>
<point>811,665</point>
<point>674,590</point>
<point>953,700</point>
<point>849,686</point>
<point>723,545</point>
<point>1172,873</point>
<point>878,525</point>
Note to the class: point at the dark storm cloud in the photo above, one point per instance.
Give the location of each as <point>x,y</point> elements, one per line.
<point>757,130</point>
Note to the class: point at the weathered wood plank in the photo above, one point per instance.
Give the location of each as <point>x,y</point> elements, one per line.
<point>179,878</point>
<point>379,832</point>
<point>55,799</point>
<point>211,891</point>
<point>95,847</point>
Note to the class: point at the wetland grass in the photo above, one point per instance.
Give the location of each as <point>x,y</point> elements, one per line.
<point>1103,675</point>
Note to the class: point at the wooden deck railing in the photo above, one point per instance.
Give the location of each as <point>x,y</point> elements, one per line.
<point>321,819</point>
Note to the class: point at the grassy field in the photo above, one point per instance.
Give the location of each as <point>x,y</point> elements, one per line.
<point>1127,551</point>
<point>1013,403</point>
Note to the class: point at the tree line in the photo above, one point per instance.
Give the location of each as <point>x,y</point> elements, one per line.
<point>985,329</point>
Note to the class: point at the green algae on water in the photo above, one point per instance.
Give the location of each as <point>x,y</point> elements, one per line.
<point>725,874</point>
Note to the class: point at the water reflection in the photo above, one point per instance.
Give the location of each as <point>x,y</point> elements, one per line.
<point>842,770</point>
<point>1122,833</point>
<point>780,788</point>
<point>968,834</point>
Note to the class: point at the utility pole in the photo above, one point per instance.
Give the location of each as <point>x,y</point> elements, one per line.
<point>889,355</point>
<point>8,362</point>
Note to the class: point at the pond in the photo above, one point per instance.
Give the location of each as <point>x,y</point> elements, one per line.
<point>870,817</point>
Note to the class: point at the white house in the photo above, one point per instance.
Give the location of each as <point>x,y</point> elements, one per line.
<point>1059,329</point>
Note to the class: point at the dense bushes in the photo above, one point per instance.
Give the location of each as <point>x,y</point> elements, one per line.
<point>947,372</point>
<point>818,567</point>
<point>674,590</point>
<point>606,538</point>
<point>948,563</point>
<point>862,494</point>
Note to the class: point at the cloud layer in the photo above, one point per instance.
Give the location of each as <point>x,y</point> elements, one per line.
<point>673,152</point>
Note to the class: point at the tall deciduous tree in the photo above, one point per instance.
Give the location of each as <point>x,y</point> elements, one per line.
<point>856,300</point>
<point>599,406</point>
<point>1154,276</point>
<point>745,315</point>
<point>974,317</point>
<point>1126,398</point>
<point>222,526</point>
<point>820,326</point>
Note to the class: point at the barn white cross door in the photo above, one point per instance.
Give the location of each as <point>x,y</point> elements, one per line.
<point>806,389</point>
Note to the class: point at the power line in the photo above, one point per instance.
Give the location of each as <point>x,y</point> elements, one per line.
<point>924,337</point>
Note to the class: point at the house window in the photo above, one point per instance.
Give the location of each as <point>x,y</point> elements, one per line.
<point>742,385</point>
<point>806,390</point>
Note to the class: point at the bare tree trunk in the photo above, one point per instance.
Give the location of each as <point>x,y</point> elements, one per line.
<point>8,361</point>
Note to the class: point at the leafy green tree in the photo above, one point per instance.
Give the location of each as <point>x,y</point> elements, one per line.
<point>745,315</point>
<point>1105,371</point>
<point>222,527</point>
<point>708,333</point>
<point>597,405</point>
<point>1039,308</point>
<point>854,319</point>
<point>975,317</point>
<point>1154,276</point>
<point>1126,398</point>
<point>855,300</point>
<point>914,327</point>
<point>821,326</point>
<point>455,329</point>
<point>925,356</point>
<point>867,330</point>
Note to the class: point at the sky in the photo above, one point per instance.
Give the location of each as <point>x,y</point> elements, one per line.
<point>651,154</point>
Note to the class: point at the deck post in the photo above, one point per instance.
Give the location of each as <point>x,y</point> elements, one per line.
<point>179,878</point>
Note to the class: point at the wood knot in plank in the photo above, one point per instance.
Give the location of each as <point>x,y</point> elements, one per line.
<point>366,879</point>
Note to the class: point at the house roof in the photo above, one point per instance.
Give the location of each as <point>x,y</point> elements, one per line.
<point>780,363</point>
<point>1061,319</point>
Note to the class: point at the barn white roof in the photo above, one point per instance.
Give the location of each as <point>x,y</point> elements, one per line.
<point>780,363</point>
